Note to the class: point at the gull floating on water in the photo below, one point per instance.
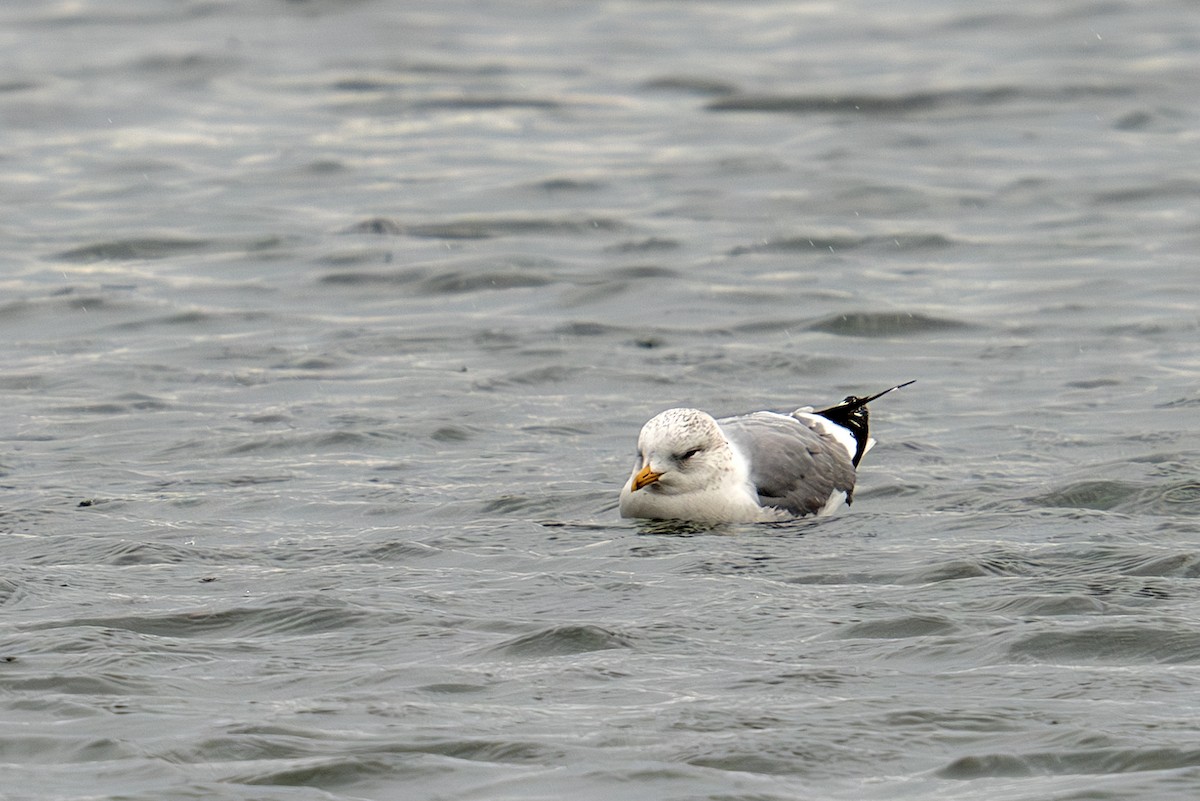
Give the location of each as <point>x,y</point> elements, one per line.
<point>754,467</point>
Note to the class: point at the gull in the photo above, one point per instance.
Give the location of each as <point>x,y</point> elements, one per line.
<point>757,467</point>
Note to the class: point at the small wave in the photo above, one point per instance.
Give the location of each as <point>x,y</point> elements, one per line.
<point>567,185</point>
<point>62,749</point>
<point>132,249</point>
<point>457,277</point>
<point>651,245</point>
<point>563,640</point>
<point>486,102</point>
<point>489,227</point>
<point>1121,645</point>
<point>883,324</point>
<point>690,85</point>
<point>899,628</point>
<point>1128,497</point>
<point>906,102</point>
<point>244,621</point>
<point>1090,762</point>
<point>805,244</point>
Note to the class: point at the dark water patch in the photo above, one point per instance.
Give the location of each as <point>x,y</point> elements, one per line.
<point>563,640</point>
<point>806,244</point>
<point>857,103</point>
<point>522,505</point>
<point>965,99</point>
<point>16,309</point>
<point>487,750</point>
<point>95,683</point>
<point>457,277</point>
<point>144,403</point>
<point>385,278</point>
<point>614,282</point>
<point>312,767</point>
<point>307,441</point>
<point>754,762</point>
<point>260,479</point>
<point>132,249</point>
<point>1026,605</point>
<point>568,185</point>
<point>1134,121</point>
<point>950,570</point>
<point>324,167</point>
<point>453,688</point>
<point>18,85</point>
<point>1159,190</point>
<point>1090,494</point>
<point>353,258</point>
<point>670,529</point>
<point>283,619</point>
<point>588,329</point>
<point>494,339</point>
<point>306,553</point>
<point>1174,497</point>
<point>33,748</point>
<point>457,282</point>
<point>318,772</point>
<point>535,377</point>
<point>653,244</point>
<point>1178,565</point>
<point>453,433</point>
<point>455,68</point>
<point>1110,644</point>
<point>377,225</point>
<point>489,227</point>
<point>884,324</point>
<point>129,403</point>
<point>1070,763</point>
<point>194,317</point>
<point>486,103</point>
<point>1094,383</point>
<point>117,554</point>
<point>1185,401</point>
<point>1153,329</point>
<point>899,628</point>
<point>800,244</point>
<point>689,85</point>
<point>23,382</point>
<point>1183,497</point>
<point>1080,573</point>
<point>556,430</point>
<point>638,272</point>
<point>953,720</point>
<point>186,67</point>
<point>770,325</point>
<point>311,364</point>
<point>363,84</point>
<point>10,591</point>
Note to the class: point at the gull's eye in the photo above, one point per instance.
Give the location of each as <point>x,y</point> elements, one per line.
<point>683,457</point>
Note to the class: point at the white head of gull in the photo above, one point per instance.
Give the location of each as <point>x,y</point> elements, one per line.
<point>763,466</point>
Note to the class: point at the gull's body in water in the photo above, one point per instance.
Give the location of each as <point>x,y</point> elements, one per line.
<point>753,467</point>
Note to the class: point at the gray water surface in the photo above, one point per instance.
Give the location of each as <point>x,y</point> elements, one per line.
<point>330,327</point>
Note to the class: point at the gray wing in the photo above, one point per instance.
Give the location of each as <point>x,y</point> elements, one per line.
<point>793,466</point>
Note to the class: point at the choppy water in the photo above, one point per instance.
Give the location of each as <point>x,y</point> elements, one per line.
<point>330,326</point>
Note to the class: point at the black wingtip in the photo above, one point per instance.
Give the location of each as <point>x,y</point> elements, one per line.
<point>852,414</point>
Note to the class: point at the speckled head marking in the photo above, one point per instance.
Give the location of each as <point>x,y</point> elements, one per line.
<point>680,450</point>
<point>687,469</point>
<point>679,428</point>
